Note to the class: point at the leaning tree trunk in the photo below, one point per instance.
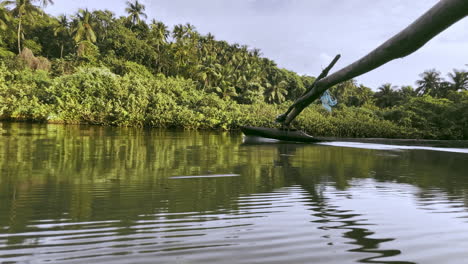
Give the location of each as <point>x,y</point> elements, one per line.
<point>437,19</point>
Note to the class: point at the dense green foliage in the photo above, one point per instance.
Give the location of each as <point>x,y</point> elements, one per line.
<point>96,68</point>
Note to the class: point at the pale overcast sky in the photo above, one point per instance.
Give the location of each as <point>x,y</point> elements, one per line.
<point>304,35</point>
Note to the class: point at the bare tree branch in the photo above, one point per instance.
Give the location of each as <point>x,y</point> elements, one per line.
<point>437,19</point>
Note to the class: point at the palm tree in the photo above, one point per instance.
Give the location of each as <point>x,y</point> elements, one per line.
<point>5,16</point>
<point>363,95</point>
<point>386,96</point>
<point>190,30</point>
<point>22,9</point>
<point>210,38</point>
<point>158,37</point>
<point>62,30</point>
<point>178,32</point>
<point>459,80</point>
<point>135,10</point>
<point>276,90</point>
<point>256,53</point>
<point>182,32</point>
<point>44,4</point>
<point>102,22</point>
<point>407,91</point>
<point>83,26</point>
<point>430,83</point>
<point>343,90</point>
<point>159,32</point>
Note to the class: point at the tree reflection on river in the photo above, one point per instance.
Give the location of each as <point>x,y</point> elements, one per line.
<point>101,194</point>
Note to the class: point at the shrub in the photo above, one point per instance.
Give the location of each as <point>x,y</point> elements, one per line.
<point>23,94</point>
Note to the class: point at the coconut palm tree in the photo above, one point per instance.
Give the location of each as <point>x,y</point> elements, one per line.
<point>407,91</point>
<point>210,38</point>
<point>190,30</point>
<point>135,10</point>
<point>256,53</point>
<point>343,90</point>
<point>83,26</point>
<point>430,82</point>
<point>159,32</point>
<point>5,16</point>
<point>158,38</point>
<point>102,21</point>
<point>276,89</point>
<point>182,32</point>
<point>43,4</point>
<point>386,96</point>
<point>62,31</point>
<point>22,9</point>
<point>178,32</point>
<point>459,80</point>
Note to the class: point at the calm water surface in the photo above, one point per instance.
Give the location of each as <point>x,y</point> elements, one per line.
<point>79,194</point>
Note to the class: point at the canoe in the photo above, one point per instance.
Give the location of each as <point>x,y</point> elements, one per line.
<point>279,134</point>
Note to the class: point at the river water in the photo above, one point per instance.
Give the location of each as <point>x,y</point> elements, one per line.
<point>81,194</point>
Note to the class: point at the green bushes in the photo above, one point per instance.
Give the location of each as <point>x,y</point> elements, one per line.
<point>96,95</point>
<point>347,122</point>
<point>83,96</point>
<point>429,117</point>
<point>22,95</point>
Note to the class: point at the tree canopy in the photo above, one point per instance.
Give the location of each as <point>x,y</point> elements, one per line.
<point>222,76</point>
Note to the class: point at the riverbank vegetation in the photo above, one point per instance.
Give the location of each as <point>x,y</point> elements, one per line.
<point>95,68</point>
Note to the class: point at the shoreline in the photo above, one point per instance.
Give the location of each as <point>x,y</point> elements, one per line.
<point>455,143</point>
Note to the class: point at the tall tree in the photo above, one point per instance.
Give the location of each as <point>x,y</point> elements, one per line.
<point>386,96</point>
<point>344,90</point>
<point>358,96</point>
<point>103,20</point>
<point>22,9</point>
<point>135,10</point>
<point>183,32</point>
<point>158,38</point>
<point>459,80</point>
<point>159,33</point>
<point>178,33</point>
<point>276,92</point>
<point>83,27</point>
<point>429,83</point>
<point>4,16</point>
<point>407,92</point>
<point>62,31</point>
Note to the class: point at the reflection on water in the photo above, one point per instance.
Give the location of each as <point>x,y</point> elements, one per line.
<point>79,194</point>
<point>391,147</point>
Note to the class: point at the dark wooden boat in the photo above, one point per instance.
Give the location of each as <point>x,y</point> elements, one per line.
<point>279,134</point>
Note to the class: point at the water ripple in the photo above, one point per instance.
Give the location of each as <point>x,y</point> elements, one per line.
<point>290,225</point>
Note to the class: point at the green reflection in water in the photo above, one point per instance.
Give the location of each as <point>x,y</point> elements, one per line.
<point>96,174</point>
<point>92,173</point>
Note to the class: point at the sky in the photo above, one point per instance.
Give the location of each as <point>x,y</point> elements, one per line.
<point>304,35</point>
